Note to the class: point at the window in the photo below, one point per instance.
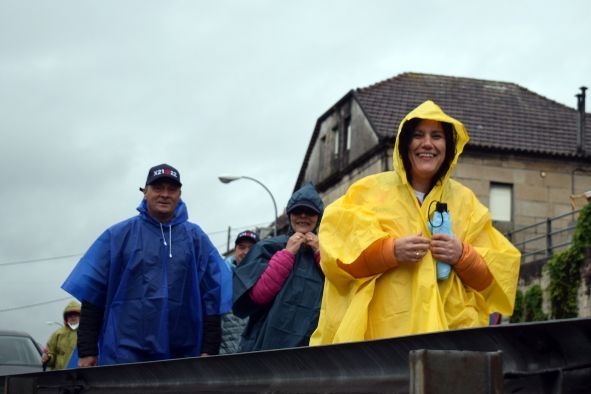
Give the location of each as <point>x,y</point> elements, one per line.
<point>335,131</point>
<point>348,134</point>
<point>501,201</point>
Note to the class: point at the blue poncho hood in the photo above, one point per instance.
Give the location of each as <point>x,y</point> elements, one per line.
<point>308,195</point>
<point>180,213</point>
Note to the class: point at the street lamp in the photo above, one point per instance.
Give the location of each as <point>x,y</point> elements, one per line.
<point>230,178</point>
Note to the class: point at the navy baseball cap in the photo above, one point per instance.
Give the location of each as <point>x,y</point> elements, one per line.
<point>163,171</point>
<point>247,235</point>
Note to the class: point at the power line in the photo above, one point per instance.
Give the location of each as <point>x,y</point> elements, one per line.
<point>16,308</point>
<point>238,228</point>
<point>39,259</point>
<point>220,246</point>
<point>234,230</point>
<point>28,261</point>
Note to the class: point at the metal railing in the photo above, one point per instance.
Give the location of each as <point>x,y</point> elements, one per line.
<point>543,239</point>
<point>551,356</point>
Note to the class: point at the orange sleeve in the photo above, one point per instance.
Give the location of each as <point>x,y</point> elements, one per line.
<point>377,258</point>
<point>472,269</point>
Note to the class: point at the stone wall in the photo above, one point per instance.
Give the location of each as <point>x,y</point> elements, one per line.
<point>373,166</point>
<point>541,189</point>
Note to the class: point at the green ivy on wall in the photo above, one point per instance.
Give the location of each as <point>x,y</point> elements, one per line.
<point>564,269</point>
<point>582,237</point>
<point>528,307</point>
<point>517,316</point>
<point>532,304</point>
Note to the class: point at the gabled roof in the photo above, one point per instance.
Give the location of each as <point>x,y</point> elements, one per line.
<point>498,115</point>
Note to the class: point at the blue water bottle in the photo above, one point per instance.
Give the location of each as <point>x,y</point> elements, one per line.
<point>441,224</point>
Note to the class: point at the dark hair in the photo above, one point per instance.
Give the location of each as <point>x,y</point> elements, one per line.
<point>406,135</point>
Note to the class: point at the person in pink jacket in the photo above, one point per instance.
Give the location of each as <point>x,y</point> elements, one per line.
<point>279,283</point>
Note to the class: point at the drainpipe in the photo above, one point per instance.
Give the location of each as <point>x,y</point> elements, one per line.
<point>581,120</point>
<point>580,134</point>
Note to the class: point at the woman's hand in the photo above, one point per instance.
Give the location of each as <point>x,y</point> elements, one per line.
<point>446,248</point>
<point>295,242</point>
<point>411,249</point>
<point>311,240</point>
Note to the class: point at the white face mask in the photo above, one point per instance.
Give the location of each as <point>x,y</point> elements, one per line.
<point>74,326</point>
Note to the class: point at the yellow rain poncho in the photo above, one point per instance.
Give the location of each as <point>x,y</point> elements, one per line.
<point>62,342</point>
<point>408,299</point>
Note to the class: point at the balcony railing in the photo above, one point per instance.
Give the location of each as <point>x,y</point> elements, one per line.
<point>543,239</point>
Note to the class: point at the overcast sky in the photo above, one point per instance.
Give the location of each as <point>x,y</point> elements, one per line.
<point>93,93</point>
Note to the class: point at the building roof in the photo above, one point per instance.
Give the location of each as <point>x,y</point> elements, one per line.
<point>498,115</point>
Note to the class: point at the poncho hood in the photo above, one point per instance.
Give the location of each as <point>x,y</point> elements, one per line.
<point>430,110</point>
<point>180,213</point>
<point>72,307</point>
<point>309,195</point>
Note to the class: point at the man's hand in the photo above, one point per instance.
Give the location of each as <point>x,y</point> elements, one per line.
<point>88,361</point>
<point>45,357</point>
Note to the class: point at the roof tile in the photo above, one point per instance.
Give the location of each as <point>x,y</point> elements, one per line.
<point>497,115</point>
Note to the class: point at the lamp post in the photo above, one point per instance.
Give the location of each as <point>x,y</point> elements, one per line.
<point>230,178</point>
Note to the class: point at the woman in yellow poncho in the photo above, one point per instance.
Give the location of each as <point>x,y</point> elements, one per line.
<point>379,256</point>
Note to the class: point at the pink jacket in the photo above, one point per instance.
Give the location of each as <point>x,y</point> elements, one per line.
<point>274,276</point>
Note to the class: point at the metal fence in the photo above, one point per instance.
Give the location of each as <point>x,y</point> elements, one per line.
<point>541,240</point>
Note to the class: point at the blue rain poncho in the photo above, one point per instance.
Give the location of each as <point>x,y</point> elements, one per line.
<point>290,319</point>
<point>155,282</point>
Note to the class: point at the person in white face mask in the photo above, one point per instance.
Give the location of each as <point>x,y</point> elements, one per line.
<point>62,342</point>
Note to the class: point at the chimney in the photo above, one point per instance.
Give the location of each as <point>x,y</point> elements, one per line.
<point>581,120</point>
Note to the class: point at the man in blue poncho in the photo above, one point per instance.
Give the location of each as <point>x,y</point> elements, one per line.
<point>150,286</point>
